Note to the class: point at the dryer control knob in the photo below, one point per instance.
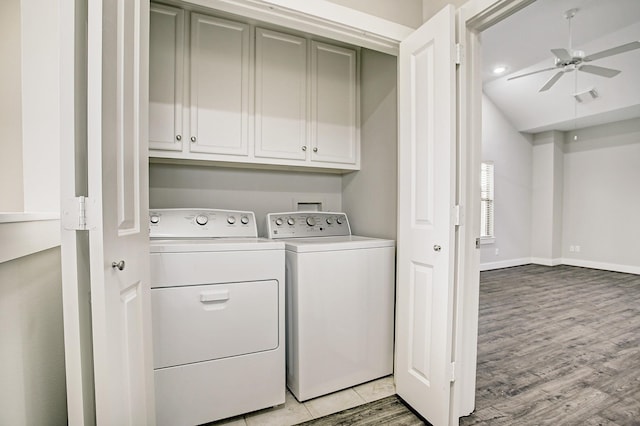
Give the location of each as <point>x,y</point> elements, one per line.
<point>154,218</point>
<point>202,219</point>
<point>291,221</point>
<point>329,221</point>
<point>339,220</point>
<point>231,220</point>
<point>279,221</point>
<point>244,220</point>
<point>311,221</point>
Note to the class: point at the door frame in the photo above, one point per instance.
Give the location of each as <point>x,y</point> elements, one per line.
<point>474,16</point>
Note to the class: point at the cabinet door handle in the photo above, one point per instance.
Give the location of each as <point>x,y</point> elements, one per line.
<point>178,137</point>
<point>193,139</point>
<point>304,148</point>
<point>315,149</point>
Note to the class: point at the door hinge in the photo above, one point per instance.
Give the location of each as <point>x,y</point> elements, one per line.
<point>77,214</point>
<point>459,54</point>
<point>452,372</point>
<point>458,215</point>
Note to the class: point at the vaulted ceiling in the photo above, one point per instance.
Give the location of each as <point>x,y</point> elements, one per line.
<point>522,43</point>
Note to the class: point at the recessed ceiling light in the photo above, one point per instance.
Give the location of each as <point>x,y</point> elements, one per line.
<point>500,69</point>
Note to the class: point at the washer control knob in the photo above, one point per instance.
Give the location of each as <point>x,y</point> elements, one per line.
<point>154,218</point>
<point>329,221</point>
<point>279,221</point>
<point>244,220</point>
<point>311,221</point>
<point>339,220</point>
<point>202,219</point>
<point>231,220</point>
<point>291,221</point>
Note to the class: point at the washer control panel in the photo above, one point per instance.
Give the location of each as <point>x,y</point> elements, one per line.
<point>201,223</point>
<point>307,224</point>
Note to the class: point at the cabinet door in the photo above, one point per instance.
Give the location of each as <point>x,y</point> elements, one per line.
<point>281,96</point>
<point>219,86</point>
<point>166,61</point>
<point>334,106</point>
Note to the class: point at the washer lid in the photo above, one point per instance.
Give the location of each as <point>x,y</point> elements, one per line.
<point>349,242</point>
<point>213,245</point>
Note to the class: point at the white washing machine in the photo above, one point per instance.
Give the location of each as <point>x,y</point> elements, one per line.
<point>217,299</point>
<point>340,302</point>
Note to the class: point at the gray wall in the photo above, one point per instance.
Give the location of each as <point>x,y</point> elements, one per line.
<point>32,388</point>
<point>409,14</point>
<point>602,197</point>
<point>547,198</point>
<point>261,191</point>
<point>369,196</point>
<point>577,198</point>
<point>511,153</point>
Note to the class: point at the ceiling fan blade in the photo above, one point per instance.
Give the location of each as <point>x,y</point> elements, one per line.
<point>562,54</point>
<point>613,51</point>
<point>529,73</point>
<point>551,81</point>
<point>602,71</point>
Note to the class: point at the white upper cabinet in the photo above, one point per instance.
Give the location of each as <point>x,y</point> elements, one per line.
<point>280,96</point>
<point>219,86</point>
<point>334,107</point>
<point>229,92</point>
<point>166,64</point>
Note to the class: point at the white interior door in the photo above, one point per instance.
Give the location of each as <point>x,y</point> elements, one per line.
<point>426,192</point>
<point>117,126</point>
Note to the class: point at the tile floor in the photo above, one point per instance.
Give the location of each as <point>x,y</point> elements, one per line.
<point>293,412</point>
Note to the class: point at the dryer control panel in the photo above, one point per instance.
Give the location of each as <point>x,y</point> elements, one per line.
<point>307,224</point>
<point>201,223</point>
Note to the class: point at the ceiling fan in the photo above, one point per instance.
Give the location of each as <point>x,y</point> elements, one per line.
<point>567,60</point>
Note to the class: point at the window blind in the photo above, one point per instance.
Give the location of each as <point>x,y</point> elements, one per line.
<point>486,200</point>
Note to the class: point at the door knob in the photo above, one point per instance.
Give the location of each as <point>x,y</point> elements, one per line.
<point>119,265</point>
<point>437,248</point>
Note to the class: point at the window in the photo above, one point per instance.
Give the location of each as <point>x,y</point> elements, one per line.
<point>486,201</point>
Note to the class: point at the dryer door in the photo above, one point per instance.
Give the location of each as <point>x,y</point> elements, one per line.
<point>206,322</point>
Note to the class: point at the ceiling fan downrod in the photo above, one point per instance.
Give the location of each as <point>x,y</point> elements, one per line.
<point>568,15</point>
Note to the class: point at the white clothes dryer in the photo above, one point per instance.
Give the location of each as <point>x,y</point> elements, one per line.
<point>217,299</point>
<point>339,300</point>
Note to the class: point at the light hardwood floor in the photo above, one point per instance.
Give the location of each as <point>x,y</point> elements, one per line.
<point>558,345</point>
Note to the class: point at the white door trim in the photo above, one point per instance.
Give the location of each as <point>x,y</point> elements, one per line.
<point>319,17</point>
<point>474,17</point>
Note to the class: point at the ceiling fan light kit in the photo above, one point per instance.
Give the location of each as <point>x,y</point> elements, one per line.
<point>567,60</point>
<point>586,96</point>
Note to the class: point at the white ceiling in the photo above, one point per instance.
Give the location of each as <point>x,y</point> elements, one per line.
<point>525,39</point>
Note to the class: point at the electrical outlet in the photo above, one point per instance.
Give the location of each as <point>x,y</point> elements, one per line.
<point>572,248</point>
<point>577,249</point>
<point>497,252</point>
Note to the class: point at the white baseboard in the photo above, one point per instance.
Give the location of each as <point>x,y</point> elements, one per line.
<point>504,264</point>
<point>628,269</point>
<point>546,261</point>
